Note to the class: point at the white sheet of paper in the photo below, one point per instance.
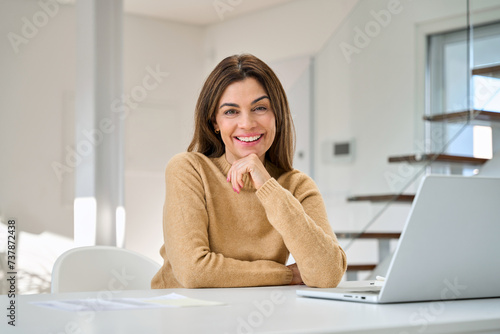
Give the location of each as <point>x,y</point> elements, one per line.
<point>93,304</point>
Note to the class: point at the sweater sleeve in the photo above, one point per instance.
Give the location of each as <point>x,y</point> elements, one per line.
<point>187,246</point>
<point>302,221</point>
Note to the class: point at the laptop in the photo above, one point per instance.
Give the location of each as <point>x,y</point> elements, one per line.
<point>449,247</point>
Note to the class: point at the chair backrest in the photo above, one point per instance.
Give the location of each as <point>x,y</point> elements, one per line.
<point>102,268</point>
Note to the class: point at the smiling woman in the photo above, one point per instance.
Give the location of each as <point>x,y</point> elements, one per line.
<point>235,208</point>
<point>246,125</point>
<point>226,81</point>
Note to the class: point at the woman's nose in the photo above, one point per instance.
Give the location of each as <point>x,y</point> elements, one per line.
<point>247,120</point>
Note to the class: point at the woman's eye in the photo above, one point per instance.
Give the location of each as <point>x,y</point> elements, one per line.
<point>260,109</point>
<point>230,112</point>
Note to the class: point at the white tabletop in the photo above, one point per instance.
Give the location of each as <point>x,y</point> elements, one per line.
<point>255,310</point>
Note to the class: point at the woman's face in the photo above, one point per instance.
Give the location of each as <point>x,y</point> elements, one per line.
<point>245,120</point>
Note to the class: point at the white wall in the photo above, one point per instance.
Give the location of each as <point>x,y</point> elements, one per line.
<point>162,124</point>
<point>298,28</point>
<point>33,85</point>
<point>36,110</point>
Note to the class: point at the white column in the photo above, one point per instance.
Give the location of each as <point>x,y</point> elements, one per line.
<point>99,128</point>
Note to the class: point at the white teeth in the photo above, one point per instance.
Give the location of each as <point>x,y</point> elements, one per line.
<point>249,139</point>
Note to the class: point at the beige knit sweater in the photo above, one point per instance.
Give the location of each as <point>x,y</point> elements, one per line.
<point>215,237</point>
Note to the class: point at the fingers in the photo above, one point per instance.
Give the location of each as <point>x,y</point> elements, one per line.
<point>249,165</point>
<point>235,174</point>
<point>296,278</point>
<point>236,177</point>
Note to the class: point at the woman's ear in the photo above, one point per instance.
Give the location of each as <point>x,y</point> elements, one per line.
<point>216,127</point>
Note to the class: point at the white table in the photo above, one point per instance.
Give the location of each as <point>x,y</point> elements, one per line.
<point>255,310</point>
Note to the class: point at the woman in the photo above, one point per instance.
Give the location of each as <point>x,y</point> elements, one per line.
<point>235,208</point>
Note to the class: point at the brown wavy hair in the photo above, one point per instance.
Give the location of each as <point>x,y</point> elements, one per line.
<point>237,68</point>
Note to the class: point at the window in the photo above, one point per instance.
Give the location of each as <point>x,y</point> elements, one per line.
<point>451,89</point>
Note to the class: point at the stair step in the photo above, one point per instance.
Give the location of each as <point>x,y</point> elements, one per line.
<point>407,198</point>
<point>361,267</point>
<point>368,235</point>
<point>488,69</point>
<point>418,158</point>
<point>463,116</point>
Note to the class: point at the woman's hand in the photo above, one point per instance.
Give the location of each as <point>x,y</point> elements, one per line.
<point>296,279</point>
<point>251,165</point>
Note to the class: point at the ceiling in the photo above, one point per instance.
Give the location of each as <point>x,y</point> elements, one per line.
<point>197,12</point>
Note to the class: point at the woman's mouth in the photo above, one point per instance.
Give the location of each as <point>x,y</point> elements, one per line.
<point>249,139</point>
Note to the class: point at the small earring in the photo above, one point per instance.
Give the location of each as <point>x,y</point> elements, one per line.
<point>217,131</point>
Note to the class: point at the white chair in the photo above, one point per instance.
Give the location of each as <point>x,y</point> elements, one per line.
<point>102,268</point>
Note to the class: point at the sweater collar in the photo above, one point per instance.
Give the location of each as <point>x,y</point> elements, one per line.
<point>222,164</point>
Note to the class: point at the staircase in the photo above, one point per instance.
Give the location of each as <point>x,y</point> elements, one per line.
<point>491,118</point>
